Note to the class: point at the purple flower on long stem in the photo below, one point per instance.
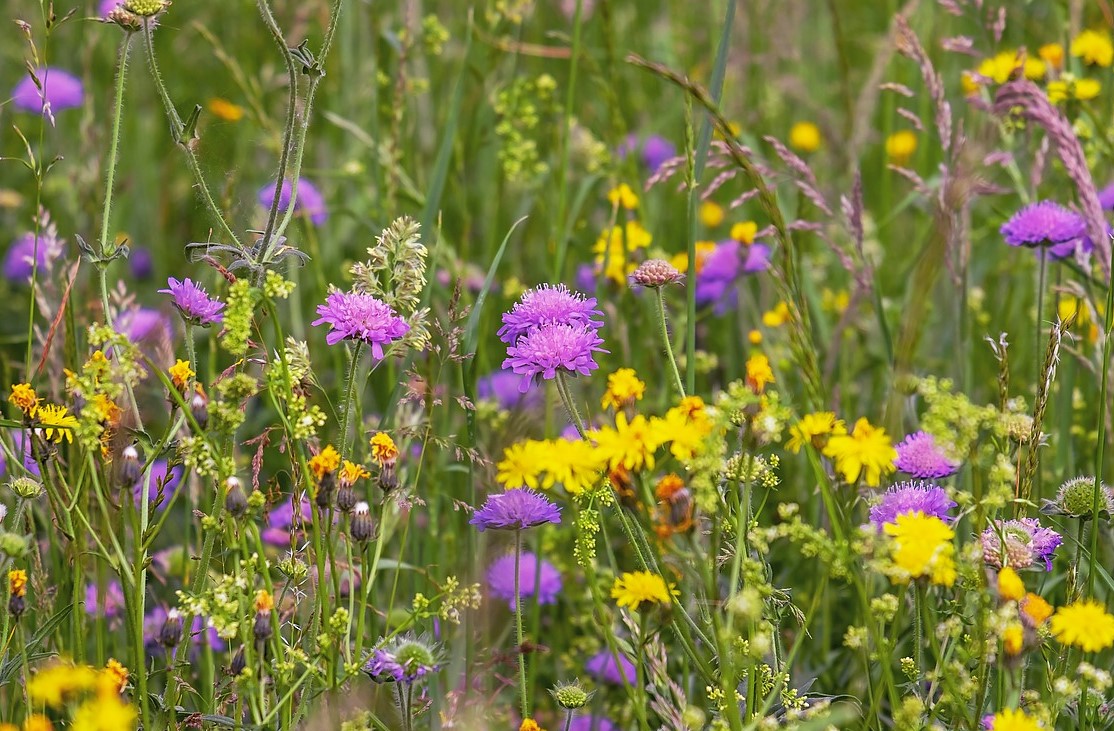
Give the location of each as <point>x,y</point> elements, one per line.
<point>362,317</point>
<point>1026,542</point>
<point>193,301</point>
<point>723,267</point>
<point>911,497</point>
<point>310,201</point>
<point>549,305</point>
<point>539,354</point>
<point>23,255</point>
<point>60,90</point>
<point>655,150</point>
<point>920,456</point>
<point>543,582</point>
<point>602,667</point>
<point>502,388</point>
<point>515,510</point>
<point>1044,224</point>
<point>113,600</point>
<point>405,659</point>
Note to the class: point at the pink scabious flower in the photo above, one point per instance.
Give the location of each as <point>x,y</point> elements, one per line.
<point>193,301</point>
<point>543,582</point>
<point>515,510</point>
<point>355,316</point>
<point>911,497</point>
<point>542,352</point>
<point>1026,542</point>
<point>549,305</point>
<point>1045,224</point>
<point>919,455</point>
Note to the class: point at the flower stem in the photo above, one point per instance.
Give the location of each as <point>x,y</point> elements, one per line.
<point>570,405</point>
<point>114,145</point>
<point>568,720</point>
<point>668,344</point>
<point>349,395</point>
<point>518,626</point>
<point>1098,496</point>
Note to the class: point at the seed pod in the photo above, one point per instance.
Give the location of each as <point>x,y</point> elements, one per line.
<point>362,528</point>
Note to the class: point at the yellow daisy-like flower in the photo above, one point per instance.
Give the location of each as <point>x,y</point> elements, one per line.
<point>55,684</point>
<point>777,316</point>
<point>17,582</point>
<point>351,472</point>
<point>630,444</point>
<point>759,372</point>
<point>226,110</point>
<point>116,675</point>
<point>754,337</point>
<point>521,465</point>
<point>744,232</point>
<point>264,602</point>
<point>1010,586</point>
<point>1066,88</point>
<point>324,462</point>
<point>900,146</point>
<point>1000,67</point>
<point>58,422</point>
<point>180,374</point>
<point>711,214</point>
<point>1085,624</point>
<point>622,196</point>
<point>36,722</point>
<point>1052,54</point>
<point>24,398</point>
<point>624,387</point>
<point>1094,47</point>
<point>1013,638</point>
<point>1036,609</point>
<point>686,427</point>
<point>635,587</point>
<point>922,547</point>
<point>529,724</point>
<point>813,426</point>
<point>836,302</point>
<point>573,463</point>
<point>805,137</point>
<point>1012,720</point>
<point>383,449</point>
<point>104,714</point>
<point>866,453</point>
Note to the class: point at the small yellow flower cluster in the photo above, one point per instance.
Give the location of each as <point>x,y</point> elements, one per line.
<point>614,247</point>
<point>56,421</point>
<point>1085,624</point>
<point>324,462</point>
<point>383,449</point>
<point>94,695</point>
<point>624,387</point>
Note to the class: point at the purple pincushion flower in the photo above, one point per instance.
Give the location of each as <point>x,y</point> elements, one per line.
<point>60,90</point>
<point>542,582</point>
<point>22,256</point>
<point>354,316</point>
<point>602,667</point>
<point>310,200</point>
<point>542,352</point>
<point>141,263</point>
<point>1106,197</point>
<point>721,269</point>
<point>655,150</point>
<point>502,388</point>
<point>911,497</point>
<point>549,305</point>
<point>405,659</point>
<point>142,323</point>
<point>591,723</point>
<point>163,479</point>
<point>283,521</point>
<point>515,510</point>
<point>193,301</point>
<point>586,277</point>
<point>1026,542</point>
<point>1044,223</point>
<point>919,455</point>
<point>113,600</point>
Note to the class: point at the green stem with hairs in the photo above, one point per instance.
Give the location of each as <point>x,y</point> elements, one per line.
<point>349,395</point>
<point>522,692</point>
<point>1098,496</point>
<point>668,344</point>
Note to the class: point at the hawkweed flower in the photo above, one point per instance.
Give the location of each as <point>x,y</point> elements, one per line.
<point>603,667</point>
<point>264,605</point>
<point>541,353</point>
<point>360,317</point>
<point>624,387</point>
<point>814,429</point>
<point>193,302</point>
<point>675,506</point>
<point>385,454</point>
<point>116,675</point>
<point>181,374</point>
<point>1045,224</point>
<point>1094,47</point>
<point>324,465</point>
<point>57,89</point>
<point>1085,624</point>
<point>537,578</point>
<point>634,588</point>
<point>549,305</point>
<point>405,659</point>
<point>310,201</point>
<point>1026,543</point>
<point>911,497</point>
<point>349,475</point>
<point>759,373</point>
<point>1035,611</point>
<point>805,137</point>
<point>23,397</point>
<point>515,510</point>
<point>920,456</point>
<point>922,548</point>
<point>900,146</point>
<point>529,724</point>
<point>55,423</point>
<point>17,591</point>
<point>866,453</point>
<point>1076,499</point>
<point>1011,720</point>
<point>630,443</point>
<point>655,274</point>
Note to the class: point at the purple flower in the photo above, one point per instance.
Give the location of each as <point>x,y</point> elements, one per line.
<point>1106,197</point>
<point>919,455</point>
<point>602,667</point>
<point>199,632</point>
<point>911,497</point>
<point>163,479</point>
<point>715,282</point>
<point>515,510</point>
<point>1026,542</point>
<point>21,448</point>
<point>142,323</point>
<point>310,200</point>
<point>405,659</point>
<point>107,6</point>
<point>656,150</point>
<point>20,260</point>
<point>549,305</point>
<point>354,316</point>
<point>541,352</point>
<point>193,301</point>
<point>282,521</point>
<point>113,600</point>
<point>592,723</point>
<point>586,277</point>
<point>502,387</point>
<point>141,263</point>
<point>1045,223</point>
<point>500,579</point>
<point>61,90</point>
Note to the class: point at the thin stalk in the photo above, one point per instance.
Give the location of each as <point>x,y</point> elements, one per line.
<point>570,405</point>
<point>524,701</point>
<point>349,390</point>
<point>114,144</point>
<point>668,344</point>
<point>1100,454</point>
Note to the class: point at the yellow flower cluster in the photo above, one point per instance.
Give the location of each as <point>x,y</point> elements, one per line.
<point>1085,624</point>
<point>814,429</point>
<point>383,449</point>
<point>614,247</point>
<point>622,196</point>
<point>624,387</point>
<point>96,693</point>
<point>324,462</point>
<point>1013,720</point>
<point>922,548</point>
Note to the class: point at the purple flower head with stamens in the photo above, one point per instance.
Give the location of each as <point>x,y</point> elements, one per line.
<point>602,667</point>
<point>911,497</point>
<point>405,659</point>
<point>1045,223</point>
<point>542,352</point>
<point>1026,543</point>
<point>548,305</point>
<point>310,201</point>
<point>500,579</point>
<point>515,510</point>
<point>107,6</point>
<point>60,90</point>
<point>920,456</point>
<point>113,600</point>
<point>194,302</point>
<point>354,316</point>
<point>722,268</point>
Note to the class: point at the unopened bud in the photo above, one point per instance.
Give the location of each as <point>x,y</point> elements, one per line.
<point>199,406</point>
<point>171,633</point>
<point>238,663</point>
<point>26,488</point>
<point>131,465</point>
<point>325,488</point>
<point>362,528</point>
<point>347,499</point>
<point>262,628</point>
<point>388,477</point>
<point>654,273</point>
<point>235,502</point>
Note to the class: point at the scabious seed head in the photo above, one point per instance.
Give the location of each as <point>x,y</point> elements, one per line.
<point>570,695</point>
<point>145,8</point>
<point>1076,498</point>
<point>26,488</point>
<point>655,273</point>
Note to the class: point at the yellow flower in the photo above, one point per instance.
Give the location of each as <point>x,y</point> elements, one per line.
<point>900,146</point>
<point>813,426</point>
<point>104,714</point>
<point>1094,47</point>
<point>55,684</point>
<point>1036,609</point>
<point>711,214</point>
<point>614,246</point>
<point>836,302</point>
<point>24,398</point>
<point>1010,720</point>
<point>1070,87</point>
<point>623,388</point>
<point>521,465</point>
<point>529,724</point>
<point>1033,68</point>
<point>116,675</point>
<point>1013,638</point>
<point>630,443</point>
<point>922,547</point>
<point>754,337</point>
<point>180,374</point>
<point>573,463</point>
<point>383,449</point>
<point>264,602</point>
<point>1001,66</point>
<point>968,83</point>
<point>1010,586</point>
<point>226,110</point>
<point>777,316</point>
<point>37,722</point>
<point>106,409</point>
<point>1084,624</point>
<point>744,232</point>
<point>1052,54</point>
<point>680,261</point>
<point>324,462</point>
<point>352,472</point>
<point>623,196</point>
<point>866,453</point>
<point>686,427</point>
<point>759,372</point>
<point>805,137</point>
<point>17,582</point>
<point>635,587</point>
<point>58,422</point>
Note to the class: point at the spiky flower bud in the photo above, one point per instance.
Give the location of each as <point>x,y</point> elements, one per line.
<point>146,8</point>
<point>1076,498</point>
<point>570,695</point>
<point>13,545</point>
<point>171,633</point>
<point>26,488</point>
<point>362,528</point>
<point>127,20</point>
<point>655,273</point>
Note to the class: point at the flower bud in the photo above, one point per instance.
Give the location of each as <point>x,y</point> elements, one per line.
<point>199,406</point>
<point>262,628</point>
<point>26,488</point>
<point>171,633</point>
<point>388,477</point>
<point>16,605</point>
<point>131,465</point>
<point>362,528</point>
<point>570,696</point>
<point>238,663</point>
<point>325,488</point>
<point>13,545</point>
<point>347,498</point>
<point>235,502</point>
<point>655,273</point>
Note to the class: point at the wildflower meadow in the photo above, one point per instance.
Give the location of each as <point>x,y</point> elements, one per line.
<point>577,365</point>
